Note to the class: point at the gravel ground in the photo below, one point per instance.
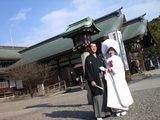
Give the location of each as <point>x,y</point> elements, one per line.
<point>73,106</point>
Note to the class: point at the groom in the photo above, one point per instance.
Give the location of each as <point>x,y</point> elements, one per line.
<point>95,79</point>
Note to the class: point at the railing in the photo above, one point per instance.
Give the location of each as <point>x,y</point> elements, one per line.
<point>21,92</point>
<point>56,87</point>
<point>6,93</point>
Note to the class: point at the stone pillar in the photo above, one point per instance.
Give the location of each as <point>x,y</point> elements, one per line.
<point>89,95</point>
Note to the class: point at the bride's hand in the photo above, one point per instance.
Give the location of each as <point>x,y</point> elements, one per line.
<point>109,70</point>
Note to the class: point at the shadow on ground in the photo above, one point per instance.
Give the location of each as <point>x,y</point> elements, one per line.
<point>50,105</point>
<point>87,115</point>
<point>73,89</point>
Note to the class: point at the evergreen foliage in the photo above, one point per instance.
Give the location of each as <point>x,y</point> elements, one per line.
<point>153,52</point>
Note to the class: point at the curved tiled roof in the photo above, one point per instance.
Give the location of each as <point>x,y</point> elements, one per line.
<point>57,44</point>
<point>46,50</point>
<point>137,29</point>
<point>111,22</point>
<point>9,54</point>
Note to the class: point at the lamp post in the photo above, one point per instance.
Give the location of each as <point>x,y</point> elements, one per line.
<point>80,33</point>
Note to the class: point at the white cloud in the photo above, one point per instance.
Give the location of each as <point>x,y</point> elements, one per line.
<point>150,8</point>
<point>29,41</point>
<point>21,15</point>
<point>85,6</point>
<point>56,22</point>
<point>57,18</point>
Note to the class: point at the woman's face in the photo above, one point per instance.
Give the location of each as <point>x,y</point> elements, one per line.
<point>111,51</point>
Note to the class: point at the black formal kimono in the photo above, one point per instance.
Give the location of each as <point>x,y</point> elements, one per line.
<point>93,73</point>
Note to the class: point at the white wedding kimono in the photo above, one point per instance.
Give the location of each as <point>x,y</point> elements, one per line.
<point>118,96</point>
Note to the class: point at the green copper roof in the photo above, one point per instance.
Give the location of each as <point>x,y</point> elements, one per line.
<point>77,26</point>
<point>85,23</point>
<point>53,47</point>
<point>57,44</point>
<point>9,54</point>
<point>108,25</point>
<point>137,29</point>
<point>134,29</point>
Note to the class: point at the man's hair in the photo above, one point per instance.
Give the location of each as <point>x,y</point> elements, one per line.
<point>90,44</point>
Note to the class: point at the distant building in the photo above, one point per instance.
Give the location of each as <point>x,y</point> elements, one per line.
<point>8,56</point>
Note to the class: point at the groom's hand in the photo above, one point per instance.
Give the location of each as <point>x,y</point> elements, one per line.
<point>93,84</point>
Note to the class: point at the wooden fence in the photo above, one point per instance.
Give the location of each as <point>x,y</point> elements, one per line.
<point>5,93</point>
<point>56,87</point>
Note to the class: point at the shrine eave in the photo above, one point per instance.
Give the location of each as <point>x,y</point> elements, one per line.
<point>86,24</point>
<point>137,30</point>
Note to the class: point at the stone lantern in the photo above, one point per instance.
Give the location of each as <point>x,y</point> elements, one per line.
<point>81,32</point>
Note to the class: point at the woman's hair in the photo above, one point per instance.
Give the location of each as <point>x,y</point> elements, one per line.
<point>109,48</point>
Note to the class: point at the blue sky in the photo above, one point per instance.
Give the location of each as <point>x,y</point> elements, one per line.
<point>28,22</point>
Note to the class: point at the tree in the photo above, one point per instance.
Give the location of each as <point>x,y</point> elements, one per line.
<point>28,73</point>
<point>45,70</point>
<point>154,51</point>
<point>154,26</point>
<point>25,72</point>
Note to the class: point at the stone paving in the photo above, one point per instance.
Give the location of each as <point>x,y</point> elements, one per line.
<point>73,106</point>
<point>145,74</point>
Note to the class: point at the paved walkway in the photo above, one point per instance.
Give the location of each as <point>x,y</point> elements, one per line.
<point>145,74</point>
<point>73,105</point>
<point>145,80</point>
<point>153,72</point>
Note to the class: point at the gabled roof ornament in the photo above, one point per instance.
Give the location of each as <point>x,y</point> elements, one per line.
<point>83,25</point>
<point>80,32</point>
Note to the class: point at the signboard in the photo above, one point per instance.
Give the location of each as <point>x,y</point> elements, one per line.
<point>19,84</point>
<point>116,35</point>
<point>41,90</point>
<point>12,83</point>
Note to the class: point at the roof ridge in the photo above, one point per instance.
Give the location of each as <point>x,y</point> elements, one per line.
<point>140,18</point>
<point>115,13</point>
<point>41,43</point>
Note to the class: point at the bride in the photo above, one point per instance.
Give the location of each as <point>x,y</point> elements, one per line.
<point>118,97</point>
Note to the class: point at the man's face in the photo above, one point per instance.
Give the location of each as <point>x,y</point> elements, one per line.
<point>93,48</point>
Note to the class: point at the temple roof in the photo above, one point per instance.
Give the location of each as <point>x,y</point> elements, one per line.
<point>137,29</point>
<point>109,23</point>
<point>79,26</point>
<point>53,47</point>
<point>9,55</point>
<point>58,45</point>
<point>10,52</point>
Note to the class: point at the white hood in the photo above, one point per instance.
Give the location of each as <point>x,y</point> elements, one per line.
<point>107,44</point>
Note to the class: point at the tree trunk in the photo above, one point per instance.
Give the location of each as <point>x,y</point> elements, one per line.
<point>31,91</point>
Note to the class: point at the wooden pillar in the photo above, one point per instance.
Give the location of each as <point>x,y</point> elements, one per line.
<point>142,61</point>
<point>70,64</point>
<point>129,57</point>
<point>59,70</point>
